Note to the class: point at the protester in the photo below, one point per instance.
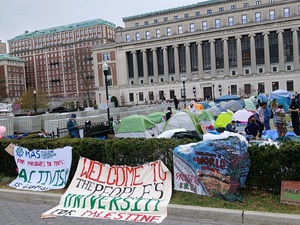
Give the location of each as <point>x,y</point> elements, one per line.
<point>231,126</point>
<point>72,127</point>
<point>252,127</point>
<point>267,115</point>
<point>274,106</point>
<point>169,113</point>
<point>280,121</point>
<point>192,108</point>
<point>294,109</point>
<point>176,102</point>
<point>259,116</point>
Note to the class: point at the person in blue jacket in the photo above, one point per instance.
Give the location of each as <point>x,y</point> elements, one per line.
<point>231,126</point>
<point>72,127</point>
<point>267,115</point>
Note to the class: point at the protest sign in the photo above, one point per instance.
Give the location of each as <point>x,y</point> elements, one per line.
<point>290,192</point>
<point>212,168</point>
<point>42,170</point>
<point>139,194</point>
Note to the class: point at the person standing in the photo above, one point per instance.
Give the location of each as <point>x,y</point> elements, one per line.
<point>259,116</point>
<point>294,109</point>
<point>267,115</point>
<point>274,106</point>
<point>169,113</point>
<point>280,121</point>
<point>73,127</point>
<point>176,102</point>
<point>192,108</point>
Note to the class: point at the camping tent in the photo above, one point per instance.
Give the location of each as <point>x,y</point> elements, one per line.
<point>226,98</point>
<point>136,126</point>
<point>242,115</point>
<point>249,104</point>
<point>206,118</point>
<point>280,93</point>
<point>215,111</point>
<point>223,119</point>
<point>182,120</point>
<point>233,105</point>
<point>158,118</point>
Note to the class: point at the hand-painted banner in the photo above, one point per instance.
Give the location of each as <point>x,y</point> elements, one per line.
<point>213,167</point>
<point>42,170</point>
<point>139,194</point>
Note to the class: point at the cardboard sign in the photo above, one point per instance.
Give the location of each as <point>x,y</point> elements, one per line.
<point>290,192</point>
<point>10,149</point>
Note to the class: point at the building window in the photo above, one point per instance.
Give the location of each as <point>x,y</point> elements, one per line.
<point>186,15</point>
<point>258,2</point>
<point>204,25</point>
<point>286,12</point>
<point>146,22</point>
<point>289,67</point>
<point>137,24</point>
<point>131,98</point>
<point>233,7</point>
<point>165,19</point>
<point>127,37</point>
<point>175,17</point>
<point>209,11</point>
<point>180,29</point>
<point>233,73</point>
<point>157,33</point>
<point>147,34</point>
<point>260,70</point>
<point>272,15</point>
<point>271,1</point>
<point>168,31</point>
<point>274,68</point>
<point>257,17</point>
<point>197,13</point>
<point>230,21</point>
<point>192,27</point>
<point>247,89</point>
<point>275,86</point>
<point>247,71</point>
<point>137,36</point>
<point>156,21</point>
<point>298,10</point>
<point>244,19</point>
<point>217,23</point>
<point>261,87</point>
<point>290,85</point>
<point>246,5</point>
<point>221,9</point>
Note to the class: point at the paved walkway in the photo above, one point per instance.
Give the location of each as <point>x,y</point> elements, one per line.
<point>193,212</point>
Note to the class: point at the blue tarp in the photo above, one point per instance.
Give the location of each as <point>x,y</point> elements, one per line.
<point>226,98</point>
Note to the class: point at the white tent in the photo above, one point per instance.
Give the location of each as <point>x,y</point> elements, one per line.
<point>181,120</point>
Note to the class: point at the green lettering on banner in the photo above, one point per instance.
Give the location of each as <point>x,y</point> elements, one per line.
<point>23,175</point>
<point>292,196</point>
<point>128,205</point>
<point>114,202</point>
<point>99,199</point>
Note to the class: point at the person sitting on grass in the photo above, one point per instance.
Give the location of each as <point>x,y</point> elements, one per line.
<point>231,126</point>
<point>252,127</point>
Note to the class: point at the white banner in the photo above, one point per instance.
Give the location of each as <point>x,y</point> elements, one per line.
<point>139,194</point>
<point>42,170</point>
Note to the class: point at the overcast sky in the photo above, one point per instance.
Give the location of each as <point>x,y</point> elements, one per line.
<point>17,16</point>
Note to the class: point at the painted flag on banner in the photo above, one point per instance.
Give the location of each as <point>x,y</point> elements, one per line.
<point>136,194</point>
<point>42,170</point>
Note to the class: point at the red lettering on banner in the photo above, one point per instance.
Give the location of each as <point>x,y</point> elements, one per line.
<point>116,175</point>
<point>156,166</point>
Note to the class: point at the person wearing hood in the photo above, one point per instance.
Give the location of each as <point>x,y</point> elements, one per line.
<point>73,127</point>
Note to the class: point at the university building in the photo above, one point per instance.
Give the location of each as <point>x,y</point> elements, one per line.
<point>209,49</point>
<point>59,60</point>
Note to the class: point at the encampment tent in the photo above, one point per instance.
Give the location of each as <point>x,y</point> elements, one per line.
<point>158,118</point>
<point>206,118</point>
<point>223,119</point>
<point>182,120</point>
<point>136,126</point>
<point>226,98</point>
<point>232,105</point>
<point>242,115</point>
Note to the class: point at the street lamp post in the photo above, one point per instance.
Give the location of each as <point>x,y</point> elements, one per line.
<point>34,98</point>
<point>183,94</point>
<point>105,71</point>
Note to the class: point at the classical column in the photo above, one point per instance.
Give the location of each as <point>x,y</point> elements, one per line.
<point>267,52</point>
<point>239,55</point>
<point>176,56</point>
<point>226,56</point>
<point>295,48</point>
<point>166,64</point>
<point>253,53</point>
<point>155,65</point>
<point>280,50</point>
<point>135,68</point>
<point>145,66</point>
<point>200,60</point>
<point>213,70</point>
<point>188,61</point>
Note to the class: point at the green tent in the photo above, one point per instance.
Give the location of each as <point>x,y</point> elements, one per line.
<point>135,123</point>
<point>156,117</point>
<point>249,104</point>
<point>223,119</point>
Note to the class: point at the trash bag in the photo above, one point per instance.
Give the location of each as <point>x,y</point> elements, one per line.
<point>188,134</point>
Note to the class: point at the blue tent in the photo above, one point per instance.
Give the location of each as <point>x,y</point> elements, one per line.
<point>205,105</point>
<point>226,98</point>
